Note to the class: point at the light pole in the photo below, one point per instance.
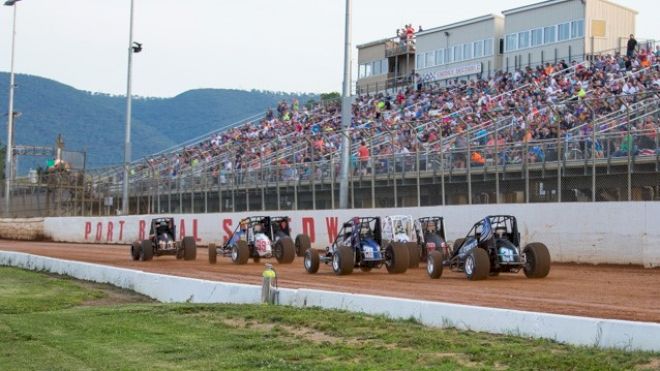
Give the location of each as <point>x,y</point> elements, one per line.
<point>346,113</point>
<point>133,47</point>
<point>10,117</point>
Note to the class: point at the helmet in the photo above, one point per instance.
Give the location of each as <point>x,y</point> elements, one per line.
<point>244,223</point>
<point>257,228</point>
<point>162,223</point>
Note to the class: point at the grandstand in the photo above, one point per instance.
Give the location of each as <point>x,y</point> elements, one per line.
<point>563,130</point>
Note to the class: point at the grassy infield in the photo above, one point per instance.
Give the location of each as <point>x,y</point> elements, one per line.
<point>49,322</point>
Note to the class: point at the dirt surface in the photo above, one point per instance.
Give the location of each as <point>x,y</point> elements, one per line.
<point>621,292</point>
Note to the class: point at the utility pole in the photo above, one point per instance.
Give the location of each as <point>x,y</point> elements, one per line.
<point>9,173</point>
<point>127,138</point>
<point>346,113</point>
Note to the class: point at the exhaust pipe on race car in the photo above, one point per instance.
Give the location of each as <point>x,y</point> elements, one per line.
<point>269,286</point>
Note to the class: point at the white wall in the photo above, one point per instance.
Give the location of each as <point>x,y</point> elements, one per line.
<point>606,232</point>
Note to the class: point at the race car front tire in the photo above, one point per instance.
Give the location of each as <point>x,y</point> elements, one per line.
<point>343,261</point>
<point>434,264</point>
<point>311,261</point>
<point>538,260</point>
<point>396,258</point>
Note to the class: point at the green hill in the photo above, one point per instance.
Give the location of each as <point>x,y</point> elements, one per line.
<point>95,121</point>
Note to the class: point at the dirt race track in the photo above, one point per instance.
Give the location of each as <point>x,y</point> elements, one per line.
<point>621,292</point>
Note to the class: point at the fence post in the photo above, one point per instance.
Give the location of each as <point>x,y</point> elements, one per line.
<point>419,196</point>
<point>468,160</point>
<point>313,178</point>
<point>630,145</point>
<point>396,193</point>
<point>247,190</point>
<point>526,168</point>
<point>442,168</point>
<point>332,181</point>
<point>373,172</point>
<point>263,182</point>
<point>277,183</point>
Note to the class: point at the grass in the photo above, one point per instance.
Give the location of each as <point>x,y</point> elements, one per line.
<point>51,322</point>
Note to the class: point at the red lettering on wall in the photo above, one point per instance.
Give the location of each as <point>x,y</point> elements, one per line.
<point>332,224</point>
<point>308,228</point>
<point>226,226</point>
<point>121,230</point>
<point>195,231</point>
<point>182,229</point>
<point>141,230</point>
<point>108,234</point>
<point>99,231</point>
<point>88,229</point>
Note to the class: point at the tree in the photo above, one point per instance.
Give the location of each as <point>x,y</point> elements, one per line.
<point>325,97</point>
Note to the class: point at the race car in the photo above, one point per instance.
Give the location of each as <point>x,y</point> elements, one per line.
<point>402,229</point>
<point>431,236</point>
<point>162,241</point>
<point>420,236</point>
<point>359,244</point>
<point>492,247</point>
<point>257,237</point>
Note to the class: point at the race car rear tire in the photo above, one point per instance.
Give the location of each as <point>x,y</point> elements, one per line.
<point>413,254</point>
<point>189,248</point>
<point>135,250</point>
<point>303,243</point>
<point>146,250</point>
<point>457,244</point>
<point>311,261</point>
<point>434,264</point>
<point>396,258</point>
<point>477,265</point>
<point>435,240</point>
<point>284,250</point>
<point>538,260</point>
<point>343,261</point>
<point>213,253</point>
<point>240,252</point>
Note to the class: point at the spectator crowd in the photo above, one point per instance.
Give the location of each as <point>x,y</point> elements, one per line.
<point>515,111</point>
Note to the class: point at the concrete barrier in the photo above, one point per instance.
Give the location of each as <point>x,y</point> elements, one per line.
<point>594,233</point>
<point>30,229</point>
<point>602,333</point>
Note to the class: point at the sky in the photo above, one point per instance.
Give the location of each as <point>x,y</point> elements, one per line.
<point>278,45</point>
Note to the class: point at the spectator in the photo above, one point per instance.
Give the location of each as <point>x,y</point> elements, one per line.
<point>632,45</point>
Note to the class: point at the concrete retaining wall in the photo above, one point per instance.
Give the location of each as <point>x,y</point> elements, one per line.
<point>30,229</point>
<point>602,333</point>
<point>595,233</point>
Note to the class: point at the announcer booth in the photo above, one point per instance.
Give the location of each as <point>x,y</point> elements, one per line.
<point>462,50</point>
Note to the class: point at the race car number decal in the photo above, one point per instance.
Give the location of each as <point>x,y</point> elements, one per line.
<point>262,245</point>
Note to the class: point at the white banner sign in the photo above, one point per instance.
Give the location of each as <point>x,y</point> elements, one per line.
<point>451,73</point>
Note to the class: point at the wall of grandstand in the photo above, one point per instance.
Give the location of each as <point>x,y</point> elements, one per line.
<point>594,233</point>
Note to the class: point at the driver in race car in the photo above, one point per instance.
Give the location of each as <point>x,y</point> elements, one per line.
<point>162,231</point>
<point>241,233</point>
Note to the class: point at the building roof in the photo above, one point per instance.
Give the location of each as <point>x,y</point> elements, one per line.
<point>554,2</point>
<point>467,22</point>
<point>372,43</point>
